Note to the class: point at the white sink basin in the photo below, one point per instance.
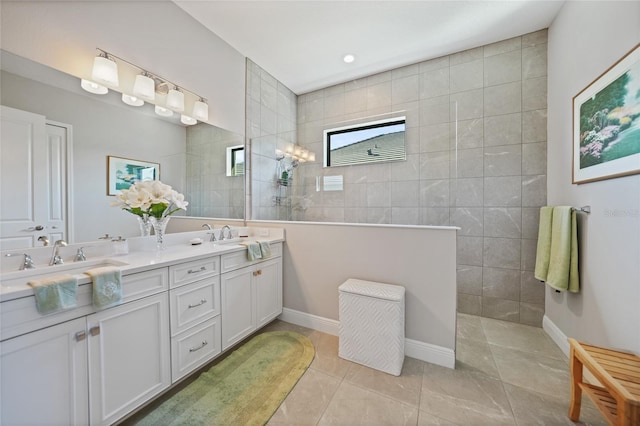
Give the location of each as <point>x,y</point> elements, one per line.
<point>72,268</point>
<point>228,241</point>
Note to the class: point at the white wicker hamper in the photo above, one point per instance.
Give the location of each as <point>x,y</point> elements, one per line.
<point>372,324</point>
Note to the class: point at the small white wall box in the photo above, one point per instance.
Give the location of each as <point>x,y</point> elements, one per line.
<point>372,324</point>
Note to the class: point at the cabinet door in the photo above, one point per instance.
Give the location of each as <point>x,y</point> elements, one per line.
<point>44,377</point>
<point>238,305</point>
<point>129,356</point>
<point>268,290</point>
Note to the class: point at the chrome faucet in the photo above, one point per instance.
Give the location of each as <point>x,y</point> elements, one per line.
<point>27,263</point>
<point>212,234</point>
<point>55,256</point>
<point>80,256</point>
<point>222,232</point>
<point>45,241</point>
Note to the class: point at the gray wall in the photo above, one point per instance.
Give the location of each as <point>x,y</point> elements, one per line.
<point>155,35</point>
<point>585,40</point>
<point>491,186</point>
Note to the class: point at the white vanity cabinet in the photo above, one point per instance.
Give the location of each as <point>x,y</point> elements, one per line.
<point>195,315</point>
<point>251,293</point>
<point>92,369</point>
<point>44,376</point>
<point>128,357</point>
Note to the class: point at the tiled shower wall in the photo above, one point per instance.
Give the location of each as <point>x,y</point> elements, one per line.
<point>476,145</point>
<point>271,124</point>
<point>211,193</point>
<point>476,158</point>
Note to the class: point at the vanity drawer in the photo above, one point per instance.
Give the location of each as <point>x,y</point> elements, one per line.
<point>194,303</point>
<point>193,271</point>
<point>238,260</point>
<point>143,284</point>
<point>195,347</point>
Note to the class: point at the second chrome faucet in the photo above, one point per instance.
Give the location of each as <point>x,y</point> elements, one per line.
<point>56,259</point>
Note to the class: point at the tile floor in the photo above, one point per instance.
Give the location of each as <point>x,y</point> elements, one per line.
<point>506,374</point>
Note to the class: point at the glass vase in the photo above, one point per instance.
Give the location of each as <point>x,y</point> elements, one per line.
<point>159,227</point>
<point>145,225</point>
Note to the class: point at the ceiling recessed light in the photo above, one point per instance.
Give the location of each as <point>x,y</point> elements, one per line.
<point>349,58</point>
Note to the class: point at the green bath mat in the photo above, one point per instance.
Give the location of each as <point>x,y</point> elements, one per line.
<point>245,388</point>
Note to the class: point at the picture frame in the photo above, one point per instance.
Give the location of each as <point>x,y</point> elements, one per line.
<point>606,123</point>
<point>124,172</point>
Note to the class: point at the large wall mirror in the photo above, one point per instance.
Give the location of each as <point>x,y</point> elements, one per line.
<point>192,159</point>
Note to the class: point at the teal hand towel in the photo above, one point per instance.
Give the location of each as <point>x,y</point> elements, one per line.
<point>265,249</point>
<point>563,257</point>
<point>107,286</point>
<point>55,294</point>
<point>543,251</point>
<point>253,251</point>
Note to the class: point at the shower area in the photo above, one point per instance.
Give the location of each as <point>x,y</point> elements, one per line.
<point>475,142</point>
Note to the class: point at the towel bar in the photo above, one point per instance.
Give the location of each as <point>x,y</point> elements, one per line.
<point>583,209</point>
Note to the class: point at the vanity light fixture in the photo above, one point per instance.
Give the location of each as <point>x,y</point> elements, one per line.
<point>201,110</point>
<point>163,112</point>
<point>93,87</point>
<point>105,70</point>
<point>348,58</point>
<point>145,87</point>
<point>132,100</point>
<point>296,153</point>
<point>189,121</point>
<point>175,99</point>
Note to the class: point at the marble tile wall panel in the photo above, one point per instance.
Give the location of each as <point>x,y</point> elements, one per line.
<point>484,172</point>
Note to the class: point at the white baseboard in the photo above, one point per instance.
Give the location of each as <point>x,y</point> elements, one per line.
<point>556,335</point>
<point>314,322</point>
<point>412,348</point>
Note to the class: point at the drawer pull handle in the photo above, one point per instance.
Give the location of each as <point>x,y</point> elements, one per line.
<point>204,343</point>
<point>81,335</point>
<point>202,302</point>
<point>94,331</point>
<point>202,268</point>
<point>258,272</point>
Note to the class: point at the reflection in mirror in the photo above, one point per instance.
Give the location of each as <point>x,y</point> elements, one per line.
<point>211,191</point>
<point>235,160</point>
<point>192,159</point>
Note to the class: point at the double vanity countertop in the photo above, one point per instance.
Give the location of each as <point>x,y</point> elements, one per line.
<point>143,255</point>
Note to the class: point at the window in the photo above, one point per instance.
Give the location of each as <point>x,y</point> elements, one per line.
<point>235,160</point>
<point>372,142</point>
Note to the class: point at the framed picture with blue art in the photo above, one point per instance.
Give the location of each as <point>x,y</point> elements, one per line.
<point>606,123</point>
<point>124,172</point>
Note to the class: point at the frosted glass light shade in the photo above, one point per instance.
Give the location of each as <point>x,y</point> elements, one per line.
<point>163,112</point>
<point>201,111</point>
<point>175,100</point>
<point>105,71</point>
<point>132,100</point>
<point>144,88</point>
<point>93,87</point>
<point>312,157</point>
<point>189,121</point>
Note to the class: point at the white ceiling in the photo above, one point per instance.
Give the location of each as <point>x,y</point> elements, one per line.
<point>301,43</point>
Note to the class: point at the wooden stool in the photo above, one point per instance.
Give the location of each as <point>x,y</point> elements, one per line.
<point>619,373</point>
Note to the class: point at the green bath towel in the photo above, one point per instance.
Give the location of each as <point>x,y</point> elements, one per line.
<point>107,286</point>
<point>253,251</point>
<point>563,257</point>
<point>265,249</point>
<point>544,243</point>
<point>55,294</point>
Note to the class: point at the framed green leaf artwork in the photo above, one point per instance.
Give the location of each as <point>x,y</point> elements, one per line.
<point>606,123</point>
